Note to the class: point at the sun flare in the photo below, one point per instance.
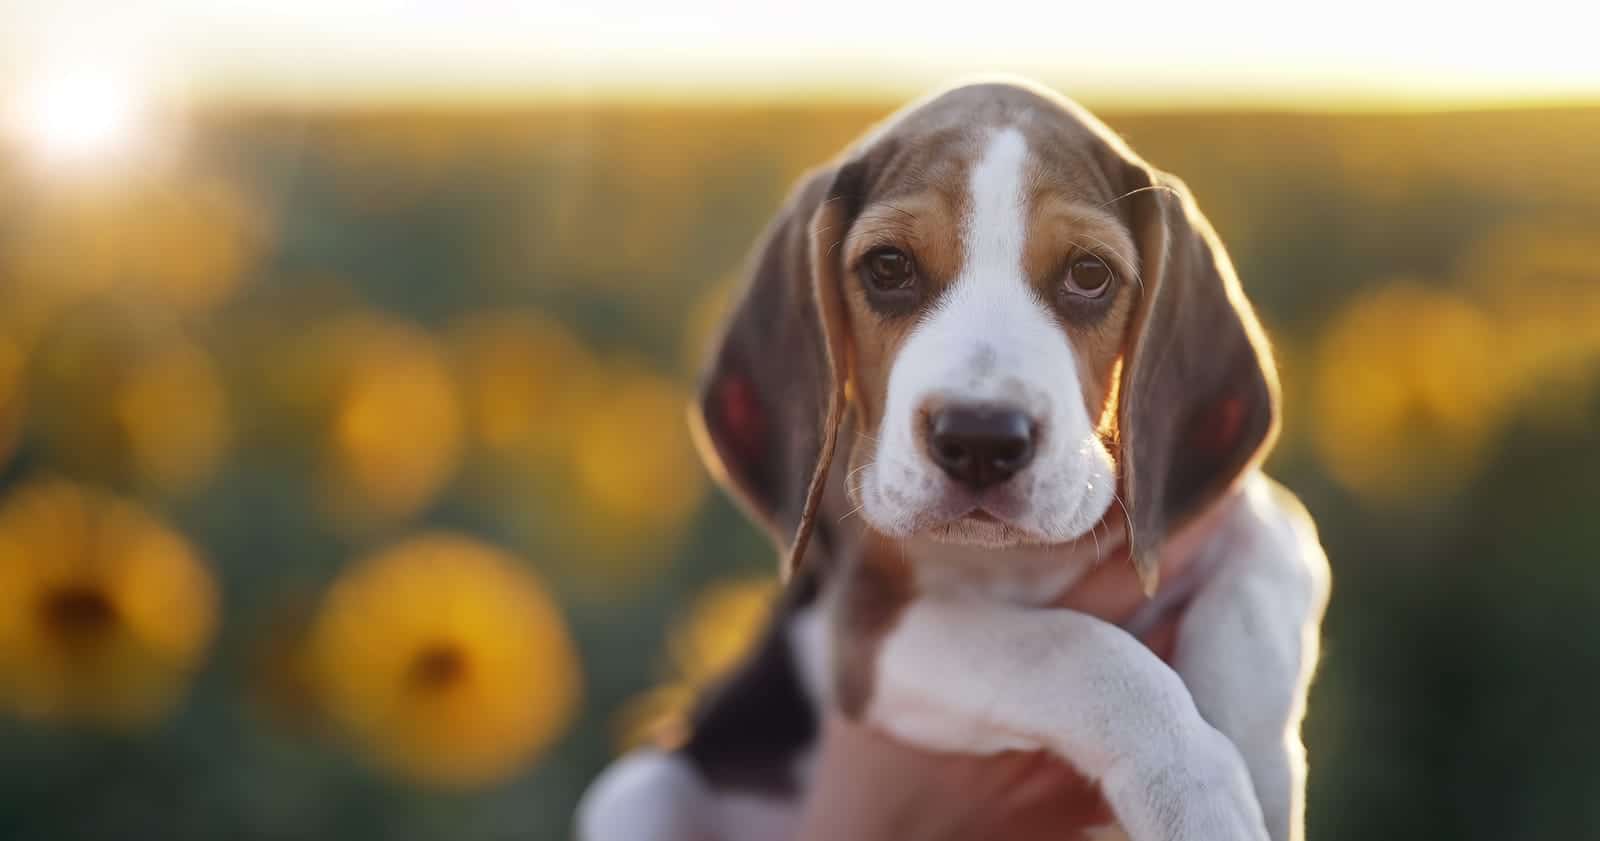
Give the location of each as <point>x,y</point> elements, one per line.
<point>79,118</point>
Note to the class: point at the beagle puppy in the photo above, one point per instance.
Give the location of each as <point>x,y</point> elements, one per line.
<point>1033,354</point>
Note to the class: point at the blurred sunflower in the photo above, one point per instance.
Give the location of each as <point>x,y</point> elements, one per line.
<point>174,453</point>
<point>119,392</point>
<point>105,613</point>
<point>393,425</point>
<point>196,242</point>
<point>187,239</point>
<point>525,379</point>
<point>1410,386</point>
<point>445,660</point>
<point>708,639</point>
<point>634,464</point>
<point>597,447</point>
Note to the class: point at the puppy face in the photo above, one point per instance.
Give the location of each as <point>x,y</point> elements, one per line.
<point>989,283</point>
<point>996,290</point>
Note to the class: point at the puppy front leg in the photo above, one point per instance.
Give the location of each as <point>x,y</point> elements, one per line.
<point>1248,642</point>
<point>974,676</point>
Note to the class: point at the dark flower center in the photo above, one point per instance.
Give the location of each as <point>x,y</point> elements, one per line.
<point>78,611</point>
<point>437,666</point>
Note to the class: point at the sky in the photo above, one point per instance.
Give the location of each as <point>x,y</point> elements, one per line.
<point>1155,53</point>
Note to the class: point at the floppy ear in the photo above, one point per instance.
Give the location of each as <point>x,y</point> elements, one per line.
<point>773,395</point>
<point>1199,394</point>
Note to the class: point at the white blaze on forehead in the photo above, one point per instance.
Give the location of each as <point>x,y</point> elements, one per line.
<point>989,336</point>
<point>996,228</point>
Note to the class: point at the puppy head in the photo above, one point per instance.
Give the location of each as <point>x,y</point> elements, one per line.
<point>1025,321</point>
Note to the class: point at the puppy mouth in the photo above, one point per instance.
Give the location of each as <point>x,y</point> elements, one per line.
<point>980,527</point>
<point>994,516</point>
<point>985,524</point>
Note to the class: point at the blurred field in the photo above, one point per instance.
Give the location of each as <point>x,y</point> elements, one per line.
<point>345,490</point>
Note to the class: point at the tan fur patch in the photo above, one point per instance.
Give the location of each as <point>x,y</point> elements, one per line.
<point>923,225</point>
<point>876,589</point>
<point>1061,229</point>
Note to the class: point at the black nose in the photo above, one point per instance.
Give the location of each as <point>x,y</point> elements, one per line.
<point>979,446</point>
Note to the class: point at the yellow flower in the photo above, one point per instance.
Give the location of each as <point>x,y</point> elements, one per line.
<point>105,611</point>
<point>720,627</point>
<point>173,412</point>
<point>120,392</point>
<point>599,447</point>
<point>1410,387</point>
<point>711,637</point>
<point>634,467</point>
<point>195,242</point>
<point>634,460</point>
<point>188,239</point>
<point>393,435</point>
<point>526,377</point>
<point>445,660</point>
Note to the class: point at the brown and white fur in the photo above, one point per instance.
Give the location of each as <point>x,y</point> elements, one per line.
<point>922,603</point>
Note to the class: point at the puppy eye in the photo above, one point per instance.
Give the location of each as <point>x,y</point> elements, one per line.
<point>1089,277</point>
<point>889,269</point>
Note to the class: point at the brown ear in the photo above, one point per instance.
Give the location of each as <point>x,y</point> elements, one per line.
<point>1199,394</point>
<point>773,395</point>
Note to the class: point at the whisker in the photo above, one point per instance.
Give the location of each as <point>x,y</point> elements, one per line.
<point>1127,518</point>
<point>1139,190</point>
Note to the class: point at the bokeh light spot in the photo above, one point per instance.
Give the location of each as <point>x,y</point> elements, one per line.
<point>526,377</point>
<point>188,241</point>
<point>707,640</point>
<point>395,428</point>
<point>1410,386</point>
<point>120,393</point>
<point>634,462</point>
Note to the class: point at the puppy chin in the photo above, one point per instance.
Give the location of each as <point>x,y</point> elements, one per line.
<point>951,518</point>
<point>981,533</point>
